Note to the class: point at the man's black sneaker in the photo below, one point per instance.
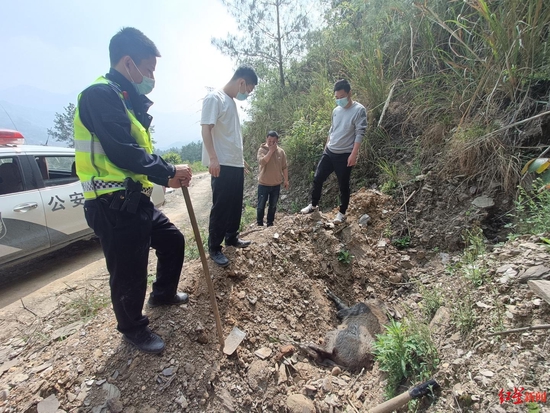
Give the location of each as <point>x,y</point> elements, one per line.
<point>219,258</point>
<point>179,298</point>
<point>146,341</point>
<point>238,243</point>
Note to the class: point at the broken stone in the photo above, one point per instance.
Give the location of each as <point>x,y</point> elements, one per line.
<point>298,403</point>
<point>258,375</point>
<point>182,401</point>
<point>310,390</point>
<point>20,378</point>
<point>331,400</point>
<point>287,350</point>
<point>251,299</point>
<point>483,305</point>
<point>327,384</point>
<point>168,371</point>
<point>8,365</point>
<point>486,373</point>
<point>444,257</point>
<point>263,352</point>
<point>442,317</point>
<point>115,406</point>
<point>483,202</point>
<point>534,273</point>
<point>41,368</point>
<point>48,405</point>
<point>189,369</point>
<point>395,278</point>
<point>283,377</point>
<point>111,391</point>
<point>364,220</point>
<point>226,398</point>
<point>64,332</point>
<point>406,262</point>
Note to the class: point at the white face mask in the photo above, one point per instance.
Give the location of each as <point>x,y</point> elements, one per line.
<point>146,85</point>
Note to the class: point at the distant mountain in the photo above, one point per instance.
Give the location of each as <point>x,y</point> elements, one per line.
<point>32,112</point>
<point>32,123</point>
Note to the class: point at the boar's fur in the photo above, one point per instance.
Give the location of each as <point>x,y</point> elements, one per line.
<point>351,344</point>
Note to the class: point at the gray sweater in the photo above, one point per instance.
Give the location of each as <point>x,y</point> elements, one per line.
<point>348,126</point>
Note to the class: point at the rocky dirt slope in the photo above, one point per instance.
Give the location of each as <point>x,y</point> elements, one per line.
<point>57,360</point>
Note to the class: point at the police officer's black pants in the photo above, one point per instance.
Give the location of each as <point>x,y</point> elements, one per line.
<point>227,204</point>
<point>126,239</point>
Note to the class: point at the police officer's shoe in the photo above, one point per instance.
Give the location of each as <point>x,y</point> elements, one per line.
<point>145,340</point>
<point>238,243</point>
<point>179,298</point>
<point>219,258</point>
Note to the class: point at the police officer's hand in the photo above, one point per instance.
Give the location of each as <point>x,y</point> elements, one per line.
<point>182,177</point>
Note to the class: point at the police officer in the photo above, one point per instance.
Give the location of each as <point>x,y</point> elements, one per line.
<point>116,167</point>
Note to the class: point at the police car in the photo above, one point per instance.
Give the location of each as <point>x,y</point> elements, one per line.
<point>41,199</point>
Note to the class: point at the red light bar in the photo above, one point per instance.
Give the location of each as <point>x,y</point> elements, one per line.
<point>11,137</point>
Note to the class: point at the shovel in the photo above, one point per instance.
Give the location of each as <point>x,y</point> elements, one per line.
<point>204,264</point>
<point>399,401</point>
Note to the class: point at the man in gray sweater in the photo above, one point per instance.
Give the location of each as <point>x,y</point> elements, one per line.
<point>349,122</point>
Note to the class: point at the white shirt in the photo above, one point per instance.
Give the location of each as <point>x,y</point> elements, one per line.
<point>220,110</point>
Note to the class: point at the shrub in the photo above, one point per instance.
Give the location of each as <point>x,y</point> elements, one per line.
<point>406,352</point>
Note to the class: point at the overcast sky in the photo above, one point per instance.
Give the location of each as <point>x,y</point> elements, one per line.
<point>62,45</point>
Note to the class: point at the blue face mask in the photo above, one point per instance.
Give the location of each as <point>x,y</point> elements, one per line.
<point>242,96</point>
<point>342,102</point>
<point>146,85</point>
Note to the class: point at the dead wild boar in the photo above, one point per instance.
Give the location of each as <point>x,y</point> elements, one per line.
<point>351,344</point>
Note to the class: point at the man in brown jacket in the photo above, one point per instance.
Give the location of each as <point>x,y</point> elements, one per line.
<point>273,173</point>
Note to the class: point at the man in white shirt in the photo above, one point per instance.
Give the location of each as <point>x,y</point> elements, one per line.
<point>222,152</point>
<point>349,122</point>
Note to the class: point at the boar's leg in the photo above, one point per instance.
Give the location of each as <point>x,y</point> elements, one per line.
<point>357,309</point>
<point>320,355</point>
<point>340,305</point>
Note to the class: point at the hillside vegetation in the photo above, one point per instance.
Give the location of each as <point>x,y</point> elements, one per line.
<point>448,85</point>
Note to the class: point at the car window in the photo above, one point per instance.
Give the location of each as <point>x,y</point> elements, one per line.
<point>57,169</point>
<point>10,176</point>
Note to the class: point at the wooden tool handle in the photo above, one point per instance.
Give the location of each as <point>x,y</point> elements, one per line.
<point>392,404</point>
<point>413,393</point>
<point>204,264</point>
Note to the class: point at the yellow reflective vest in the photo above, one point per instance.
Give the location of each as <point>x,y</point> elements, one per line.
<point>96,172</point>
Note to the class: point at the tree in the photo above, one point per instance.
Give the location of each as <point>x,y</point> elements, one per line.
<point>172,157</point>
<point>275,30</point>
<point>63,130</point>
<point>192,152</point>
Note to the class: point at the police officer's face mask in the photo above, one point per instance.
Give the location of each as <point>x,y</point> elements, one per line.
<point>146,85</point>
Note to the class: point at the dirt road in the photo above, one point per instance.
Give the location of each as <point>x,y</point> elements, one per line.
<point>40,278</point>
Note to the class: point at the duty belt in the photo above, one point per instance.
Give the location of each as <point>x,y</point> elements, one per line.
<point>147,191</point>
<point>98,184</point>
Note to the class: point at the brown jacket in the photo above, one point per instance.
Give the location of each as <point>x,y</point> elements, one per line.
<point>271,173</point>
